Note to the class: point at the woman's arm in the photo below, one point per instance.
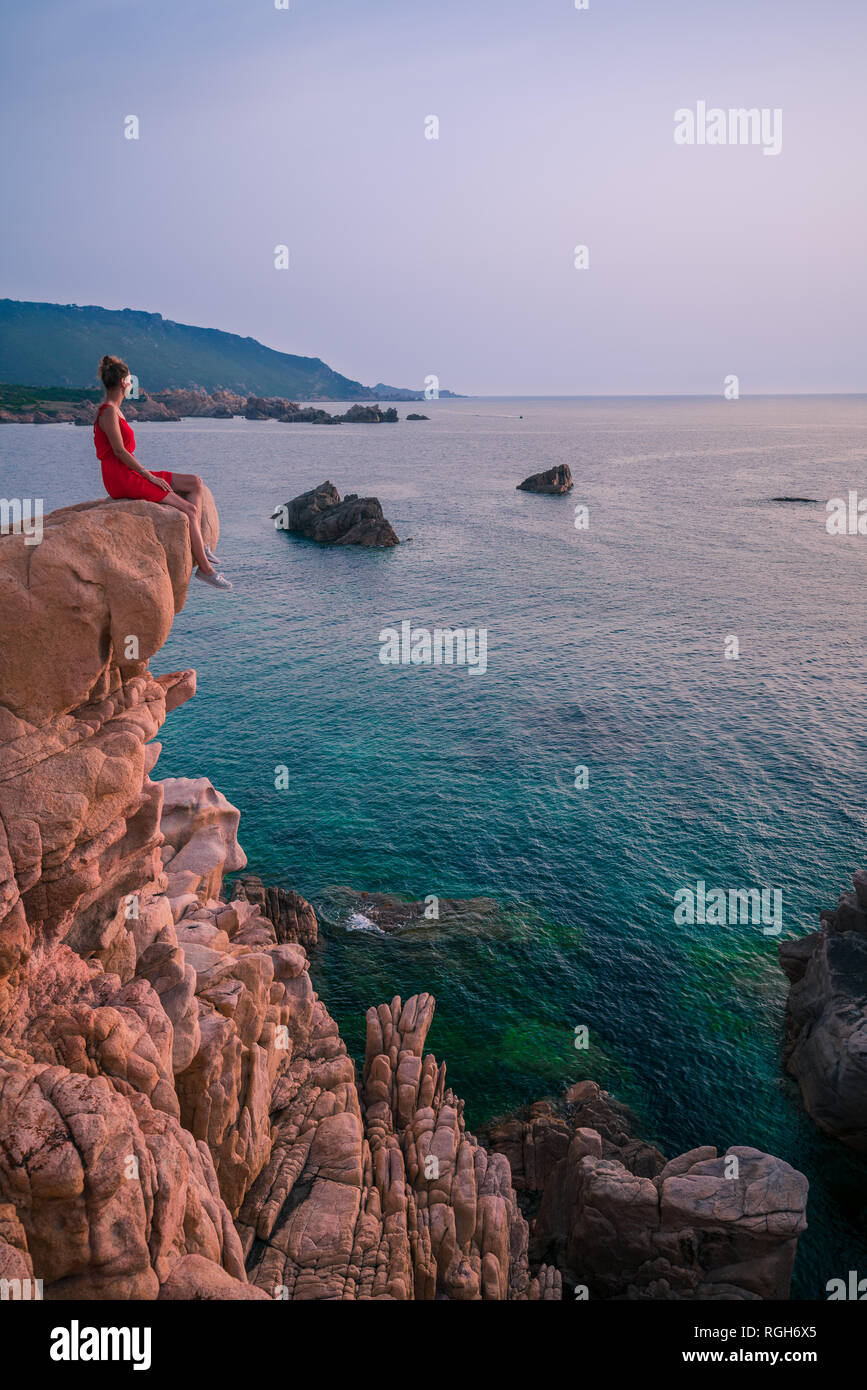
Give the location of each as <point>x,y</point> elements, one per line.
<point>112,429</point>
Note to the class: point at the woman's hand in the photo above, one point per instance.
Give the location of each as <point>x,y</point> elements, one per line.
<point>160,482</point>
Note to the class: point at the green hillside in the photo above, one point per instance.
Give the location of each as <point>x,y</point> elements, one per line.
<point>61,345</point>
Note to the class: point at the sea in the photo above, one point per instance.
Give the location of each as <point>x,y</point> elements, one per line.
<point>673,695</point>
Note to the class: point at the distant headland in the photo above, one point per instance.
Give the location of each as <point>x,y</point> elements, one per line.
<point>59,345</point>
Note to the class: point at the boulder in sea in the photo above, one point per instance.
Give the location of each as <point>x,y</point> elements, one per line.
<point>321,516</point>
<point>554,480</point>
<point>418,417</point>
<point>827,1018</point>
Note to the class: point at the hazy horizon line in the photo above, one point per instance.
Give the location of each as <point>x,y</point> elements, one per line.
<point>633,395</point>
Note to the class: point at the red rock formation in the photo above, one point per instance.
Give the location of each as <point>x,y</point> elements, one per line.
<point>386,1194</point>
<point>200,832</point>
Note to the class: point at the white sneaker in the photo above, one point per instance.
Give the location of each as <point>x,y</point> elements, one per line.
<point>210,556</point>
<point>216,581</point>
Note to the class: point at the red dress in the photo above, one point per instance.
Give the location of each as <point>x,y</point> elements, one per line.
<point>119,479</point>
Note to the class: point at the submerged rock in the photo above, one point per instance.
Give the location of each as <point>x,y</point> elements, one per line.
<point>826,1015</point>
<point>554,480</point>
<point>321,516</point>
<point>388,914</point>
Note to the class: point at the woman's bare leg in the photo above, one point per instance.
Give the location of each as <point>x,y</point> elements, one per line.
<point>189,486</point>
<point>197,544</point>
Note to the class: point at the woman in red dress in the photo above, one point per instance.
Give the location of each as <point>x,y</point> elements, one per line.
<point>124,476</point>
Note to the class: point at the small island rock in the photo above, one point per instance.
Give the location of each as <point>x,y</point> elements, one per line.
<point>321,516</point>
<point>555,480</point>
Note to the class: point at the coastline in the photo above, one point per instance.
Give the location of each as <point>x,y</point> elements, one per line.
<point>170,406</point>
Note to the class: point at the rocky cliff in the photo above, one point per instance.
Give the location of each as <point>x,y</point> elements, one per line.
<point>827,1017</point>
<point>179,1118</point>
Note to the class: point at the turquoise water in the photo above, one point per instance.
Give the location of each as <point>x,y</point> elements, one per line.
<point>605,648</point>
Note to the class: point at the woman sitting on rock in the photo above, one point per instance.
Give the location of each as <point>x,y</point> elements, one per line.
<point>124,476</point>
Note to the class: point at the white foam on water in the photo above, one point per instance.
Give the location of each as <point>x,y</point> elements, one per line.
<point>358,922</point>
